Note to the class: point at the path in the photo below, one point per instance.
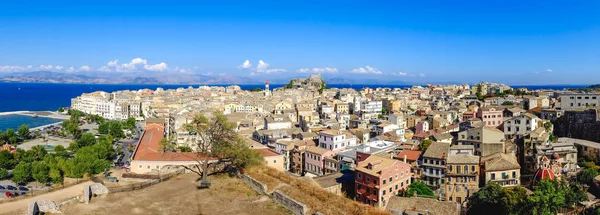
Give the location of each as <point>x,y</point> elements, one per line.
<point>17,207</point>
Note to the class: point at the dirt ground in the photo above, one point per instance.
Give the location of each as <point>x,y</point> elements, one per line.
<point>18,207</point>
<point>180,196</point>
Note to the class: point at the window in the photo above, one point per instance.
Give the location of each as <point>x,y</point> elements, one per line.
<point>358,186</point>
<point>383,181</point>
<point>383,192</point>
<point>390,190</point>
<point>140,166</point>
<point>157,167</point>
<point>472,168</point>
<point>390,179</point>
<point>493,176</point>
<point>148,167</point>
<point>514,174</point>
<point>368,179</point>
<point>396,186</point>
<point>466,169</point>
<point>274,161</point>
<point>359,175</point>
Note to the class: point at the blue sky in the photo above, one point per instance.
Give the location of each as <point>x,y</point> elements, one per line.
<point>515,42</point>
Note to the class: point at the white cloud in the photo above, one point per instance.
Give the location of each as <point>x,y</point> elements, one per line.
<point>85,68</point>
<point>421,75</point>
<point>245,65</point>
<point>318,70</point>
<point>136,65</point>
<point>46,67</point>
<point>262,66</point>
<point>548,70</point>
<point>366,70</point>
<point>71,69</point>
<point>275,70</point>
<point>399,73</point>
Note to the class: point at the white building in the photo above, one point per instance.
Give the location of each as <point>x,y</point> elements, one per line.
<point>521,125</point>
<point>335,140</point>
<point>580,100</point>
<point>277,121</point>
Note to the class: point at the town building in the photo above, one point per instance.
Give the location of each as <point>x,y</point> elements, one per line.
<point>378,178</point>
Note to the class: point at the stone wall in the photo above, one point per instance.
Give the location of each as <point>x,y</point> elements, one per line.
<point>32,208</point>
<point>578,124</point>
<point>255,184</point>
<point>87,194</point>
<point>292,205</point>
<point>98,189</point>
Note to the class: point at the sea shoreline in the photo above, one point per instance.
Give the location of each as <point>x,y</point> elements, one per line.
<point>44,114</point>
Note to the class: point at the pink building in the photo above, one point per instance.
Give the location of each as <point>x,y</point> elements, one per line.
<point>314,161</point>
<point>421,127</point>
<point>491,116</point>
<point>378,178</point>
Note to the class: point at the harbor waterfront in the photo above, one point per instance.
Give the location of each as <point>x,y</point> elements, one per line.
<point>35,120</point>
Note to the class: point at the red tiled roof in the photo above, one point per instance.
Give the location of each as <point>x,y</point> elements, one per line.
<point>266,152</point>
<point>410,155</point>
<point>148,148</point>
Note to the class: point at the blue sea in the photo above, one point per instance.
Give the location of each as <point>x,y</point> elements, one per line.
<point>43,96</point>
<point>14,121</point>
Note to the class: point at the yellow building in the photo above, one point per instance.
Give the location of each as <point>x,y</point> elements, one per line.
<point>462,177</point>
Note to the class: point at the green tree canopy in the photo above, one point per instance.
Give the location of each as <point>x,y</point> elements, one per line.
<point>40,172</point>
<point>587,175</point>
<point>61,151</point>
<point>3,174</point>
<point>7,160</point>
<point>22,173</point>
<point>508,103</point>
<point>23,131</point>
<point>86,139</point>
<point>420,189</point>
<point>424,145</point>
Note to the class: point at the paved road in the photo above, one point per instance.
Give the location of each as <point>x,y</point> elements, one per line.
<point>125,143</point>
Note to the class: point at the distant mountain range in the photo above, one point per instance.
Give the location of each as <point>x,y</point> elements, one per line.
<point>170,78</point>
<point>117,78</point>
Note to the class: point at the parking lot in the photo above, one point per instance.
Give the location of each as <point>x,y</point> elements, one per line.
<point>12,189</point>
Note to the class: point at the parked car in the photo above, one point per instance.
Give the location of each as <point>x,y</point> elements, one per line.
<point>23,193</point>
<point>8,195</point>
<point>10,187</point>
<point>21,188</point>
<point>2,187</point>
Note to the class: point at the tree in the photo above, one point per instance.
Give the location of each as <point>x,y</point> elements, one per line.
<point>478,92</point>
<point>38,152</point>
<point>38,134</point>
<point>7,160</point>
<point>113,128</point>
<point>60,151</point>
<point>130,123</point>
<point>86,139</point>
<point>3,174</point>
<point>256,90</point>
<point>239,154</point>
<point>22,173</point>
<point>508,103</point>
<point>424,145</point>
<point>213,135</point>
<point>9,136</point>
<point>184,149</point>
<point>40,172</point>
<point>23,131</point>
<point>385,111</point>
<point>61,109</point>
<point>548,126</point>
<point>419,189</point>
<point>547,198</point>
<point>587,175</point>
<point>488,200</point>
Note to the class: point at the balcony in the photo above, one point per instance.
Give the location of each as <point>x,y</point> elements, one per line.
<point>438,175</point>
<point>469,173</point>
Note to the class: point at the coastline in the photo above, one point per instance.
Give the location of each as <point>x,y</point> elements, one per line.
<point>46,114</point>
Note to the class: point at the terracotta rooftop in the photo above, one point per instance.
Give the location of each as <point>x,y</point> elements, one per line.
<point>410,155</point>
<point>267,152</point>
<point>148,148</point>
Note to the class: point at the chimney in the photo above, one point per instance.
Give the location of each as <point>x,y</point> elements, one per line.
<point>404,158</point>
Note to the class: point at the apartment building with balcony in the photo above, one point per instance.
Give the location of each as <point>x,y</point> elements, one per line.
<point>521,125</point>
<point>378,178</point>
<point>336,140</point>
<point>501,168</point>
<point>434,164</point>
<point>462,177</point>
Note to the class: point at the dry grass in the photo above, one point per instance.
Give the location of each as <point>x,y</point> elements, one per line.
<point>179,195</point>
<point>314,197</point>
